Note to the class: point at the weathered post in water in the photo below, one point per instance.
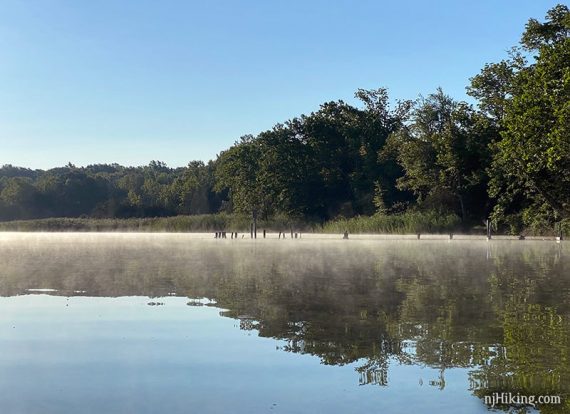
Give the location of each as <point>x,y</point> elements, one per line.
<point>264,233</point>
<point>488,229</point>
<point>345,237</point>
<point>251,230</point>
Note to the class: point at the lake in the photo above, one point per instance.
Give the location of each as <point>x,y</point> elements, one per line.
<point>178,323</point>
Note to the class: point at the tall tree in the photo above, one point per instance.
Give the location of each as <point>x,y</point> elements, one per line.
<point>443,152</point>
<point>533,158</point>
<point>238,170</point>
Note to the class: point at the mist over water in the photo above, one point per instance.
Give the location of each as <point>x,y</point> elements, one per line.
<point>184,323</point>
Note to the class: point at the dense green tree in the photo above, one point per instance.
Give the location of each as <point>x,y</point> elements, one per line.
<point>238,171</point>
<point>527,97</point>
<point>193,189</point>
<point>286,172</point>
<point>19,197</point>
<point>493,87</point>
<point>375,177</point>
<point>443,151</point>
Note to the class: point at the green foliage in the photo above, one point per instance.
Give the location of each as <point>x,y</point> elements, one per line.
<point>107,191</point>
<point>530,171</point>
<point>443,152</point>
<point>237,171</point>
<point>316,166</point>
<point>493,87</point>
<point>378,199</point>
<point>19,197</point>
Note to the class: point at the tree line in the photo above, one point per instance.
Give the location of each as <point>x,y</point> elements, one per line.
<point>507,157</point>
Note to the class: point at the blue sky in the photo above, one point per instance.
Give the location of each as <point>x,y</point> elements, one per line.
<point>129,81</point>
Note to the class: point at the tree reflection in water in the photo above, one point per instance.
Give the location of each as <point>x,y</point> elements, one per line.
<point>499,309</point>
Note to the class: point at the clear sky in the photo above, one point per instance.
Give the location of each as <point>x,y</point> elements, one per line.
<point>129,81</point>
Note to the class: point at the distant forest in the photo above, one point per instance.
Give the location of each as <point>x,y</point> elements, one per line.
<point>507,158</point>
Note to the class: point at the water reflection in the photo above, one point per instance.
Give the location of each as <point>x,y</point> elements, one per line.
<point>500,310</point>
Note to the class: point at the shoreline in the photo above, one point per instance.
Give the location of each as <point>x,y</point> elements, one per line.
<point>275,236</point>
<point>403,226</point>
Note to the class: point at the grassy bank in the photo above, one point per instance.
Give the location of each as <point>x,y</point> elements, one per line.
<point>195,223</point>
<point>411,222</point>
<point>408,223</point>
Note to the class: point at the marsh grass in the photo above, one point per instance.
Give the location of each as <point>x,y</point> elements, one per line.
<point>175,224</point>
<point>405,223</point>
<point>411,222</point>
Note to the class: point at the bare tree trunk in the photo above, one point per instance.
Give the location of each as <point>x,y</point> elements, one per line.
<point>462,208</point>
<point>255,224</point>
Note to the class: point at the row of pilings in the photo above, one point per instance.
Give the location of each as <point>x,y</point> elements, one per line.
<point>294,235</point>
<point>253,234</point>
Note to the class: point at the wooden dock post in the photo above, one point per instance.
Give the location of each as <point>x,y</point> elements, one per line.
<point>345,236</point>
<point>488,229</point>
<point>264,233</point>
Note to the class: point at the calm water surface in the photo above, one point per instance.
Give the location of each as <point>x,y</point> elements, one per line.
<point>113,323</point>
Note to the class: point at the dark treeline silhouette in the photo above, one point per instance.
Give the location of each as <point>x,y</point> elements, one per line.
<point>508,157</point>
<point>104,190</point>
